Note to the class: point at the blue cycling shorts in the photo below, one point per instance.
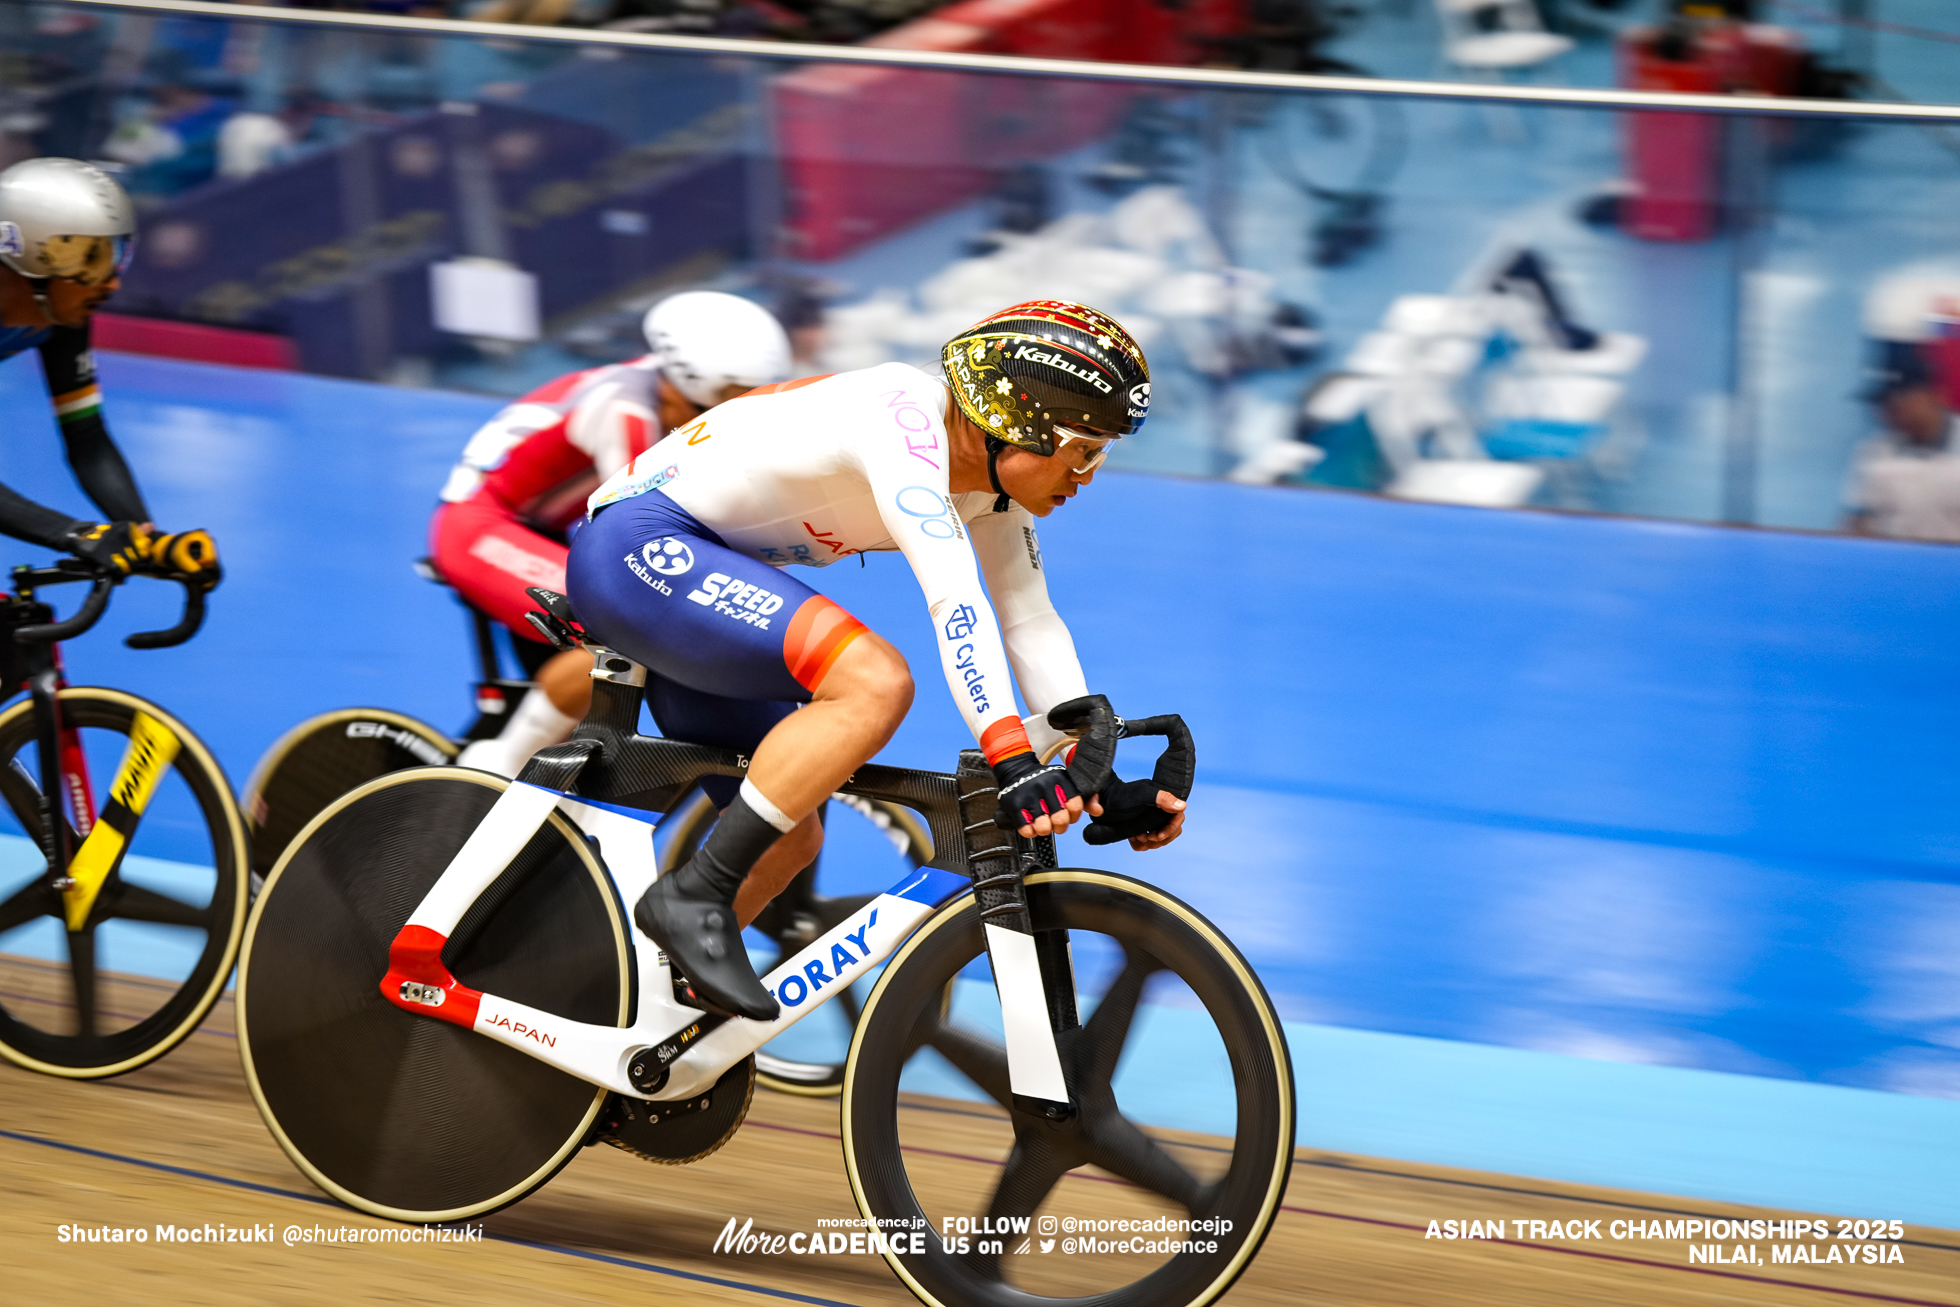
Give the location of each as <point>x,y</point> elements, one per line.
<point>731,644</point>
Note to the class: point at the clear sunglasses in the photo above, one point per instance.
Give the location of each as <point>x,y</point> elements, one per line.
<point>1092,448</point>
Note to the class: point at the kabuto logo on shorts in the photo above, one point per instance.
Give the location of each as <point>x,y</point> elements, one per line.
<point>668,556</point>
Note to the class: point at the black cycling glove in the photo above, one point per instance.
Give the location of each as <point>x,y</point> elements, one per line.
<point>1028,790</point>
<point>122,547</point>
<point>1129,809</point>
<point>132,547</point>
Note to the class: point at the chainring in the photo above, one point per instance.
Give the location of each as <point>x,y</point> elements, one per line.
<point>676,1133</point>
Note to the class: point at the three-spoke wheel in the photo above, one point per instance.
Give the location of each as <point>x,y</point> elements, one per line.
<point>156,887</point>
<point>1198,1200</point>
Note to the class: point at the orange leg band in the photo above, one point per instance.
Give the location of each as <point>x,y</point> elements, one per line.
<point>816,635</point>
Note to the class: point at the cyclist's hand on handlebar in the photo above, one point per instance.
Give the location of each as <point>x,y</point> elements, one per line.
<point>1035,799</point>
<point>119,547</point>
<point>1136,806</point>
<point>187,556</point>
<point>132,548</point>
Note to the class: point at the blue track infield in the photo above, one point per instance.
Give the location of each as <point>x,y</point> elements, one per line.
<point>1630,791</point>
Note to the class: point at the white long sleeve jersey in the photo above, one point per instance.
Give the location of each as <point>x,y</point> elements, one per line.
<point>816,470</point>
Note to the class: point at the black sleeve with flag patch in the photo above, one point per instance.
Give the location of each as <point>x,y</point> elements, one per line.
<point>69,366</point>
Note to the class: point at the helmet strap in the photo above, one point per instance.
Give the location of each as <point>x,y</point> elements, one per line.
<point>1004,501</point>
<point>39,287</point>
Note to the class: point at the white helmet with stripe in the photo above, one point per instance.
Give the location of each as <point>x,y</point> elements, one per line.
<point>706,341</point>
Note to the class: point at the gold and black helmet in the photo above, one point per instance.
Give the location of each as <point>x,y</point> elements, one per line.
<point>1020,372</point>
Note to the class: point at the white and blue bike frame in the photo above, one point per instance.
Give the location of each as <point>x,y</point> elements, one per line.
<point>645,1060</point>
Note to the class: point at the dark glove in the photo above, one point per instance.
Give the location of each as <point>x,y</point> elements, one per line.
<point>1129,809</point>
<point>1029,790</point>
<point>120,547</point>
<point>190,556</point>
<point>130,548</point>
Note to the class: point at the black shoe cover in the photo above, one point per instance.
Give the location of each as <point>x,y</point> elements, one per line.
<point>703,942</point>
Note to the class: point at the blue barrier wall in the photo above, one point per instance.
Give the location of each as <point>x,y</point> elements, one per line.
<point>1630,790</point>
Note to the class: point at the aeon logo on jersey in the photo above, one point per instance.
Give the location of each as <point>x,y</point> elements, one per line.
<point>668,556</point>
<point>795,990</point>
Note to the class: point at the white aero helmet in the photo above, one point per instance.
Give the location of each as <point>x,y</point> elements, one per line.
<point>64,218</point>
<point>706,341</point>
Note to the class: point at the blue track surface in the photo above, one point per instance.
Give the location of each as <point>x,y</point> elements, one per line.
<point>1643,793</point>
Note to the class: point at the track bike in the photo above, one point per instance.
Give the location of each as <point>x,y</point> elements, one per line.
<point>442,998</point>
<point>333,752</point>
<point>151,877</point>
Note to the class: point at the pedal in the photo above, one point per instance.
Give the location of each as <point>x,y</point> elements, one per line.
<point>684,989</point>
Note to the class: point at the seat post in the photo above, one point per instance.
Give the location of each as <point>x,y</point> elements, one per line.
<point>617,685</point>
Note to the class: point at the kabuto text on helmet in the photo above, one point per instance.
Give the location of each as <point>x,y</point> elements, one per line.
<point>1019,373</point>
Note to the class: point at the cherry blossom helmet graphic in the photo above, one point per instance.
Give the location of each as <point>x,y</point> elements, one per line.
<point>706,341</point>
<point>1023,372</point>
<point>65,218</point>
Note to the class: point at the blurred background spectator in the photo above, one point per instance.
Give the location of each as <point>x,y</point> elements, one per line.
<point>1905,478</point>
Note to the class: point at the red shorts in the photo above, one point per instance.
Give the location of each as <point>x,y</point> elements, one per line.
<point>489,556</point>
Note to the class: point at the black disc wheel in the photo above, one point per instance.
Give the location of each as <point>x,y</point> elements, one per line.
<point>1027,1206</point>
<point>96,987</point>
<point>321,759</point>
<point>868,845</point>
<point>406,1116</point>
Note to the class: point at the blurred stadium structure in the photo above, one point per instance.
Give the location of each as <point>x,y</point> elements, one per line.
<point>1326,279</point>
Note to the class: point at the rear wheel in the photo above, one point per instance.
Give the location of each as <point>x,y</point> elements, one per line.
<point>155,948</point>
<point>868,845</point>
<point>405,1116</point>
<point>321,759</point>
<point>1206,1192</point>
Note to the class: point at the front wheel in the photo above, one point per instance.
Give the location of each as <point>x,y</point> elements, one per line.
<point>98,986</point>
<point>982,1181</point>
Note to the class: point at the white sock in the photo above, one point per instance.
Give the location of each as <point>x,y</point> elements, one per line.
<point>759,804</point>
<point>537,724</point>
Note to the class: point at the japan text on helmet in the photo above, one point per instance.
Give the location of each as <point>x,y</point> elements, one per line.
<point>1022,371</point>
<point>64,218</point>
<point>706,341</point>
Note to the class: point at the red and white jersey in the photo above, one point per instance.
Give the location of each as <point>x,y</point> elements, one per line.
<point>541,457</point>
<point>816,470</point>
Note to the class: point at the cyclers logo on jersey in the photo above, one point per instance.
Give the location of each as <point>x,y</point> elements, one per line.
<point>976,680</point>
<point>1056,360</point>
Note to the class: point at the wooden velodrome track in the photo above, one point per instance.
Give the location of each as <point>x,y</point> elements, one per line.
<point>180,1143</point>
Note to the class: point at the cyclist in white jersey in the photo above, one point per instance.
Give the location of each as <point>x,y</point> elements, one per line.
<point>681,569</point>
